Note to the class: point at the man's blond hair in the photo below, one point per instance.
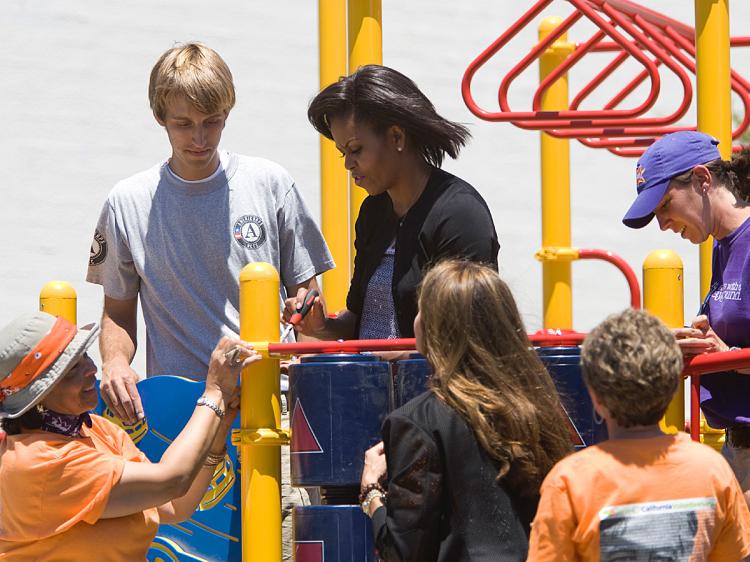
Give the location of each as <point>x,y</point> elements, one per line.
<point>633,364</point>
<point>195,71</point>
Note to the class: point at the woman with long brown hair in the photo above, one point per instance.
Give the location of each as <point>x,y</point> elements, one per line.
<point>464,461</point>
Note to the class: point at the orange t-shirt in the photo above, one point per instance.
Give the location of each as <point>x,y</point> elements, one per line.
<point>53,489</point>
<point>662,498</point>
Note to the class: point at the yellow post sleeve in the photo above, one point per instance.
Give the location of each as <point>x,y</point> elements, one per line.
<point>59,298</point>
<point>365,47</point>
<point>713,93</point>
<point>334,180</point>
<point>260,409</point>
<point>663,297</point>
<point>555,176</point>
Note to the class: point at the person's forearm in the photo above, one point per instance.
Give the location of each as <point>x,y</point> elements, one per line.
<point>184,457</point>
<point>341,327</point>
<point>186,505</point>
<point>118,339</point>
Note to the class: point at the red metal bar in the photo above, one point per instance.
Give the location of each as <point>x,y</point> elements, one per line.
<point>710,363</point>
<point>677,47</point>
<point>556,338</point>
<point>632,9</point>
<point>622,265</point>
<point>589,125</point>
<point>347,346</point>
<point>599,78</point>
<point>641,38</point>
<point>490,51</point>
<point>717,362</point>
<point>556,118</point>
<point>543,338</point>
<point>695,406</point>
<point>538,119</point>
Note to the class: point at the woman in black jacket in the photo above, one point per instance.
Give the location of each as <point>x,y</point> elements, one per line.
<point>464,461</point>
<point>393,142</point>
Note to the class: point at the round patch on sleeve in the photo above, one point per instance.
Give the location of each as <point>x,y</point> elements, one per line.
<point>98,251</point>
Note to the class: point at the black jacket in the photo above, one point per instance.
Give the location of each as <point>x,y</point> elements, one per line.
<point>450,219</point>
<point>443,502</point>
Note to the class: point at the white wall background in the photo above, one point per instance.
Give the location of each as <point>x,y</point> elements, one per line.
<point>75,119</point>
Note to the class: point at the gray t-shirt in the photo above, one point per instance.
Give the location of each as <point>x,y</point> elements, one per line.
<point>181,245</point>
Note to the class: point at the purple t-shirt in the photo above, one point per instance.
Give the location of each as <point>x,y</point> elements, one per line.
<point>725,397</point>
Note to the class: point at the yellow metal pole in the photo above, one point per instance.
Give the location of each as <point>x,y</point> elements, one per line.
<point>555,168</point>
<point>260,410</point>
<point>663,297</point>
<point>58,298</point>
<point>334,180</point>
<point>714,99</point>
<point>365,47</point>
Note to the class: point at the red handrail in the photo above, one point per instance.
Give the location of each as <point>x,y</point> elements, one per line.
<point>622,265</point>
<point>542,338</point>
<point>717,362</point>
<point>710,363</point>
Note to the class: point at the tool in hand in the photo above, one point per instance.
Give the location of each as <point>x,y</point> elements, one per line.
<point>302,311</point>
<point>233,356</point>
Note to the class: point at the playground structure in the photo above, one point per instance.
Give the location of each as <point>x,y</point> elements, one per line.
<point>623,132</point>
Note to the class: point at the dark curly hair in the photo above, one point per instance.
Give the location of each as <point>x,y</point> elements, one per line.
<point>733,174</point>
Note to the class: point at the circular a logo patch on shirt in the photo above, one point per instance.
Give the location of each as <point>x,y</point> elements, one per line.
<point>249,231</point>
<point>98,252</point>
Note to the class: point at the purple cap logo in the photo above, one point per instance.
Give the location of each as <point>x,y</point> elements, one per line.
<point>667,158</point>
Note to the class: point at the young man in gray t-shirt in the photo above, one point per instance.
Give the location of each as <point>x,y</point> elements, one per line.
<point>178,234</point>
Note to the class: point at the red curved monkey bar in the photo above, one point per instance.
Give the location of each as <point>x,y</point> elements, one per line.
<point>654,40</point>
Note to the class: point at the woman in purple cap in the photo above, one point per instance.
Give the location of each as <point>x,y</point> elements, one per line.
<point>682,180</point>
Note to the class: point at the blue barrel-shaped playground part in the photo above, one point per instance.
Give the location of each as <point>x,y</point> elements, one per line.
<point>564,364</point>
<point>410,379</point>
<point>332,533</point>
<point>338,403</point>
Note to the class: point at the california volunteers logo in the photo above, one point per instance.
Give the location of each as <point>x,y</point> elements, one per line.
<point>249,231</point>
<point>98,252</point>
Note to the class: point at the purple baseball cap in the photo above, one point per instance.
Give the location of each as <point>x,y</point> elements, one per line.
<point>668,157</point>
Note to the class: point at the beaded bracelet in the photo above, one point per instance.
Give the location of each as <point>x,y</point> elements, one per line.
<point>364,490</point>
<point>371,495</point>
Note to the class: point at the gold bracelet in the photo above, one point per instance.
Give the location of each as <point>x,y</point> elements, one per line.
<point>214,459</point>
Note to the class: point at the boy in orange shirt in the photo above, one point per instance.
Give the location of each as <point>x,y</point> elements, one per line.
<point>641,495</point>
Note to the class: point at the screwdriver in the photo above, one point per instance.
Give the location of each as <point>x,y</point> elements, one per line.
<point>302,311</point>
